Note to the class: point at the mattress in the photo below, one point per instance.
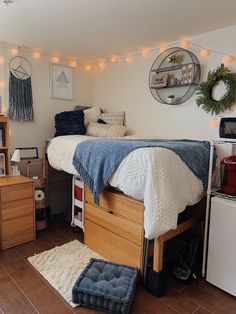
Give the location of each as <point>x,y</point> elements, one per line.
<point>157,176</point>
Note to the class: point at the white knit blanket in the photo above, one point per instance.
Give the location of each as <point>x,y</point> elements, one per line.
<point>154,175</point>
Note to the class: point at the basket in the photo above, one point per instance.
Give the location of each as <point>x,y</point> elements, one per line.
<point>41,220</point>
<point>40,204</point>
<point>41,224</point>
<point>39,182</point>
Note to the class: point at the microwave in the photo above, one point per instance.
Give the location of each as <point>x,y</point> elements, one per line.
<point>227,128</point>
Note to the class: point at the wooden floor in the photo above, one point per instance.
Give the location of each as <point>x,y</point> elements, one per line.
<point>23,290</point>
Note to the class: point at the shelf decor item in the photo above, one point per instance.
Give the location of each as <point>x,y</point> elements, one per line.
<point>1,136</point>
<point>2,165</point>
<point>175,58</point>
<point>171,99</point>
<point>182,69</point>
<point>159,80</point>
<point>204,91</point>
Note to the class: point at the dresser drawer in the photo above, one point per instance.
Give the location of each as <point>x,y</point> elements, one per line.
<point>16,192</point>
<point>119,204</point>
<point>120,226</point>
<point>111,246</point>
<point>19,208</point>
<point>17,231</point>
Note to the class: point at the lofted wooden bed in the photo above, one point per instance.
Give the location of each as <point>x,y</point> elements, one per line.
<point>115,228</point>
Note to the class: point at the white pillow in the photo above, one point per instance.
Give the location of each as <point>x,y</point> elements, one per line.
<point>91,115</point>
<point>105,130</point>
<point>113,117</point>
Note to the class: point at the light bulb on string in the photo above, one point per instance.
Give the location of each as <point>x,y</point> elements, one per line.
<point>227,59</point>
<point>2,60</point>
<point>130,59</point>
<point>214,123</point>
<point>3,85</point>
<point>163,49</point>
<point>185,44</point>
<point>4,110</point>
<point>73,63</point>
<point>88,67</point>
<point>102,64</point>
<point>205,52</point>
<point>55,59</point>
<point>36,55</point>
<point>115,59</point>
<point>14,51</point>
<point>146,53</point>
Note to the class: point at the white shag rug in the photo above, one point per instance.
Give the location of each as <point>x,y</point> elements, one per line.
<point>62,266</point>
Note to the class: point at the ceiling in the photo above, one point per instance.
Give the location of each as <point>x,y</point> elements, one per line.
<point>90,29</point>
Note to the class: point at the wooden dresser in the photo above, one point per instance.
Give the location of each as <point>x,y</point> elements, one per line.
<point>17,213</point>
<point>114,229</point>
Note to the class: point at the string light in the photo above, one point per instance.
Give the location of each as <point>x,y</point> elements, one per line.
<point>102,64</point>
<point>185,44</point>
<point>146,53</point>
<point>88,67</point>
<point>163,49</point>
<point>3,85</point>
<point>227,59</point>
<point>36,55</point>
<point>205,52</point>
<point>73,63</point>
<point>14,51</point>
<point>213,123</point>
<point>2,60</point>
<point>4,110</point>
<point>130,59</point>
<point>55,59</point>
<point>115,59</point>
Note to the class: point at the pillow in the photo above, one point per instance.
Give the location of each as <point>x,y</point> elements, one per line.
<point>70,123</point>
<point>78,107</point>
<point>113,117</point>
<point>105,130</point>
<point>91,115</point>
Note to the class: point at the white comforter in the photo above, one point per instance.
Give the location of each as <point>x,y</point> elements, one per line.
<point>155,175</point>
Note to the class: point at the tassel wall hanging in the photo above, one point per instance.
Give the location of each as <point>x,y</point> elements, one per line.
<point>20,90</point>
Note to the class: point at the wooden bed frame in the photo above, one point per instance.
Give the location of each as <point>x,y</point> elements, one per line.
<point>114,229</point>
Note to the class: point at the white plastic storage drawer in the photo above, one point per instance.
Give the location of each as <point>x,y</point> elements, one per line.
<point>221,263</point>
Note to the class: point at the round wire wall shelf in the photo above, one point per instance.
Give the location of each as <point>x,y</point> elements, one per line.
<point>174,76</point>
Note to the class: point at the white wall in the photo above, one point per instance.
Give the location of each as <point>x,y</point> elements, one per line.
<point>28,134</point>
<point>124,86</point>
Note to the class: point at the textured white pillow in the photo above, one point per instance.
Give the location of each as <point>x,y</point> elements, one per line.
<point>105,130</point>
<point>113,117</point>
<point>91,115</point>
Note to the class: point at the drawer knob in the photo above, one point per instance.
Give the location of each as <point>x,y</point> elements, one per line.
<point>110,212</point>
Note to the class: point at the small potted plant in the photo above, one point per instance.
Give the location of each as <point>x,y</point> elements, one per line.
<point>171,99</point>
<point>175,59</point>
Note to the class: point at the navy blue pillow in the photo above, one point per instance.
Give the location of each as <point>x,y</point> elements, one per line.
<point>70,123</point>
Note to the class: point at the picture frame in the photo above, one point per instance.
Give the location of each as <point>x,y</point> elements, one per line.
<point>2,165</point>
<point>2,143</point>
<point>62,82</point>
<point>159,80</point>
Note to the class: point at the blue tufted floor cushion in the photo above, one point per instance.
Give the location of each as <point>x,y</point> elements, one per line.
<point>106,286</point>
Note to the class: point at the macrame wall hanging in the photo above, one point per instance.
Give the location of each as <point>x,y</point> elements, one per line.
<point>20,90</point>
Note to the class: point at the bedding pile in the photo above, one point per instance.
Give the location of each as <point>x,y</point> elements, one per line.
<point>155,175</point>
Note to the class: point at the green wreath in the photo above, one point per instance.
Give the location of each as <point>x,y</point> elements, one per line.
<point>205,91</point>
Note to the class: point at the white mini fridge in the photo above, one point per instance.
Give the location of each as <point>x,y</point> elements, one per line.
<point>221,259</point>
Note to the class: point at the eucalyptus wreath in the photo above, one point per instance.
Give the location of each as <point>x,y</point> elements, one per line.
<point>204,91</point>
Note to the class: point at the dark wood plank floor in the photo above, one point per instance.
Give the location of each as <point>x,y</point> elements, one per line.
<point>23,290</point>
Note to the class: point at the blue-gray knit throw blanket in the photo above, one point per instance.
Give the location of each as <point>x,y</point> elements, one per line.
<point>96,160</point>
